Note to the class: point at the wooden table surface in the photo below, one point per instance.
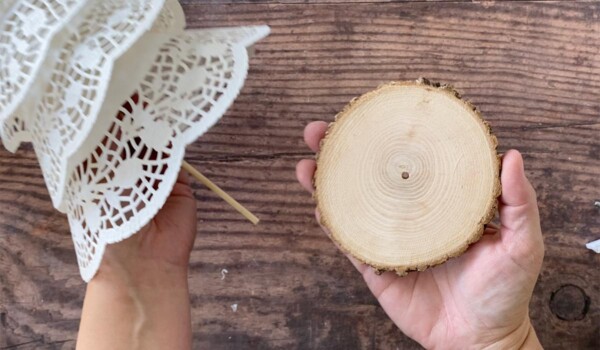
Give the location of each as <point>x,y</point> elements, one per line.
<point>532,67</point>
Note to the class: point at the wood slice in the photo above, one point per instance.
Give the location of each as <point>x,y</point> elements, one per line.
<point>407,176</point>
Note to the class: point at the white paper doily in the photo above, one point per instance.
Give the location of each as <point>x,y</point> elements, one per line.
<point>25,36</point>
<point>15,130</point>
<point>119,94</point>
<point>65,98</point>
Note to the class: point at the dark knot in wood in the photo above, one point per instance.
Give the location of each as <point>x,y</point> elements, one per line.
<point>569,302</point>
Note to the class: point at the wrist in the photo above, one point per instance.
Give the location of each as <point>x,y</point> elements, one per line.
<point>142,275</point>
<point>142,307</point>
<point>147,288</point>
<point>532,341</point>
<point>523,337</point>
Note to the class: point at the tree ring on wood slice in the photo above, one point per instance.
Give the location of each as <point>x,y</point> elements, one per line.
<point>407,176</point>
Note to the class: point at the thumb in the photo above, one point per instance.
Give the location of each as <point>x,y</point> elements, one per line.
<point>521,233</point>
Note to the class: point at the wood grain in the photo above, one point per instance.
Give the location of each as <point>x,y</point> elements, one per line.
<point>532,67</point>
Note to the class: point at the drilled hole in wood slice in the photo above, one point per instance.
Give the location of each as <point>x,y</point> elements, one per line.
<point>407,176</point>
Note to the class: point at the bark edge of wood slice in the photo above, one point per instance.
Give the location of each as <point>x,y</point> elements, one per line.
<point>407,176</point>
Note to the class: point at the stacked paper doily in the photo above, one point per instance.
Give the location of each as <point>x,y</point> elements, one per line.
<point>109,93</point>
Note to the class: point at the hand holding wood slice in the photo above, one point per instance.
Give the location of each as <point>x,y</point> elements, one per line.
<point>407,176</point>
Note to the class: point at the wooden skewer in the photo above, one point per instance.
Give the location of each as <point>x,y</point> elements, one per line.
<point>216,189</point>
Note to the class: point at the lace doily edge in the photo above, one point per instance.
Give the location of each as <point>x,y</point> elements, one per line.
<point>134,226</point>
<point>243,45</point>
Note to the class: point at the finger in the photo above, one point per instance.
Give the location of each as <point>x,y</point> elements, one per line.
<point>305,169</point>
<point>516,189</point>
<point>518,205</point>
<point>519,215</point>
<point>490,229</point>
<point>182,188</point>
<point>492,226</point>
<point>183,177</point>
<point>313,133</point>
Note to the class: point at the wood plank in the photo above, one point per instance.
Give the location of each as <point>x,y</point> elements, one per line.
<point>532,68</point>
<point>290,2</point>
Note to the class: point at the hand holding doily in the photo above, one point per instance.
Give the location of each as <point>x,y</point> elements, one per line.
<point>141,287</point>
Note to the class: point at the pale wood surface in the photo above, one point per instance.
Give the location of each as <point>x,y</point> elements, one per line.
<point>407,176</point>
<point>532,67</point>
